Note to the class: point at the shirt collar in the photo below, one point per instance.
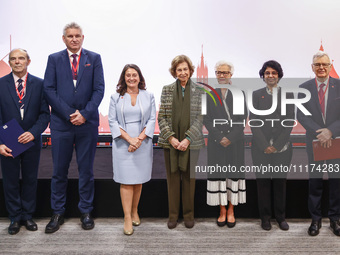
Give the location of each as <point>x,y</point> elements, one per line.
<point>324,82</point>
<point>71,53</point>
<point>16,78</point>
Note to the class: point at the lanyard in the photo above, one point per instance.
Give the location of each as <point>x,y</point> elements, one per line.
<point>75,69</point>
<point>21,95</point>
<point>324,93</point>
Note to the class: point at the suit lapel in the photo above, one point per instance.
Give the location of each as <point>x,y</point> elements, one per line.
<point>12,90</point>
<point>82,63</point>
<point>67,66</point>
<point>315,96</point>
<point>222,113</point>
<point>29,89</point>
<point>332,94</point>
<point>229,102</point>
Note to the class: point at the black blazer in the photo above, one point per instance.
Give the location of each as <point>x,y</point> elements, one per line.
<point>280,134</point>
<point>216,133</point>
<point>234,153</point>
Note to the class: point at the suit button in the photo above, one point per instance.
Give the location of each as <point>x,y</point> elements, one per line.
<point>228,131</point>
<point>221,132</point>
<point>75,91</point>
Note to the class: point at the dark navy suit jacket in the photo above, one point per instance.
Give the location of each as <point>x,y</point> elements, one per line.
<point>36,111</point>
<point>64,98</point>
<point>315,121</point>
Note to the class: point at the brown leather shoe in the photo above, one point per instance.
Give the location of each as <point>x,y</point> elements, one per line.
<point>189,223</point>
<point>172,224</point>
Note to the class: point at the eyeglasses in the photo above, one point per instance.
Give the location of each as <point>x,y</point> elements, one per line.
<point>274,73</point>
<point>318,65</point>
<point>222,73</point>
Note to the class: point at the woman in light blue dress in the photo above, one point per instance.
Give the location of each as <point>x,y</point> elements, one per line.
<point>132,116</point>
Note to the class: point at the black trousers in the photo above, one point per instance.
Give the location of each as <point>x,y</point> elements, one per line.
<point>270,182</point>
<point>21,199</point>
<point>316,189</point>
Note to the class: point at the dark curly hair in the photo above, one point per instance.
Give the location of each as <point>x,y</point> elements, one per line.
<point>273,64</point>
<point>122,87</point>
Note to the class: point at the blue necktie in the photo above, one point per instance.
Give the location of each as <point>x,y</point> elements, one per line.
<point>20,86</point>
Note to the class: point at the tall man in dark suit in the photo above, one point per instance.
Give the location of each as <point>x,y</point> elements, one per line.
<point>74,88</point>
<point>323,124</point>
<point>21,98</point>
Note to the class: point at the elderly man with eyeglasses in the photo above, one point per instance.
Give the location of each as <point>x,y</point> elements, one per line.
<point>324,125</point>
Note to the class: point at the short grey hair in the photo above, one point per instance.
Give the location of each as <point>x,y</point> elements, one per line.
<point>72,25</point>
<point>23,50</point>
<point>320,54</point>
<point>225,63</point>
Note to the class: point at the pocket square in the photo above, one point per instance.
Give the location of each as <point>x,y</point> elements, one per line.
<point>86,65</point>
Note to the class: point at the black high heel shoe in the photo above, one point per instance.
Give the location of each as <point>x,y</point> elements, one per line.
<point>221,223</point>
<point>230,224</point>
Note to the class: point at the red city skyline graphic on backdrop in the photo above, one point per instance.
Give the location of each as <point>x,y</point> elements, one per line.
<point>4,67</point>
<point>332,73</point>
<point>202,70</point>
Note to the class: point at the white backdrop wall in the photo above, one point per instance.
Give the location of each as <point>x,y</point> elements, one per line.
<point>150,33</point>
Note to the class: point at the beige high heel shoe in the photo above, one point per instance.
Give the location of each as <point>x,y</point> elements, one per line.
<point>135,223</point>
<point>128,232</point>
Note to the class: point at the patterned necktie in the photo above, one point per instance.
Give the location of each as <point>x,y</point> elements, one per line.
<point>321,94</point>
<point>74,65</point>
<point>20,88</point>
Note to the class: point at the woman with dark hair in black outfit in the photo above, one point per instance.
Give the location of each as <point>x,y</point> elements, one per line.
<point>271,145</point>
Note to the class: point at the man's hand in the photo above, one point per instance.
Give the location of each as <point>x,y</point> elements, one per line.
<point>183,145</point>
<point>327,144</point>
<point>225,142</point>
<point>5,151</point>
<point>324,136</point>
<point>25,138</point>
<point>77,119</point>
